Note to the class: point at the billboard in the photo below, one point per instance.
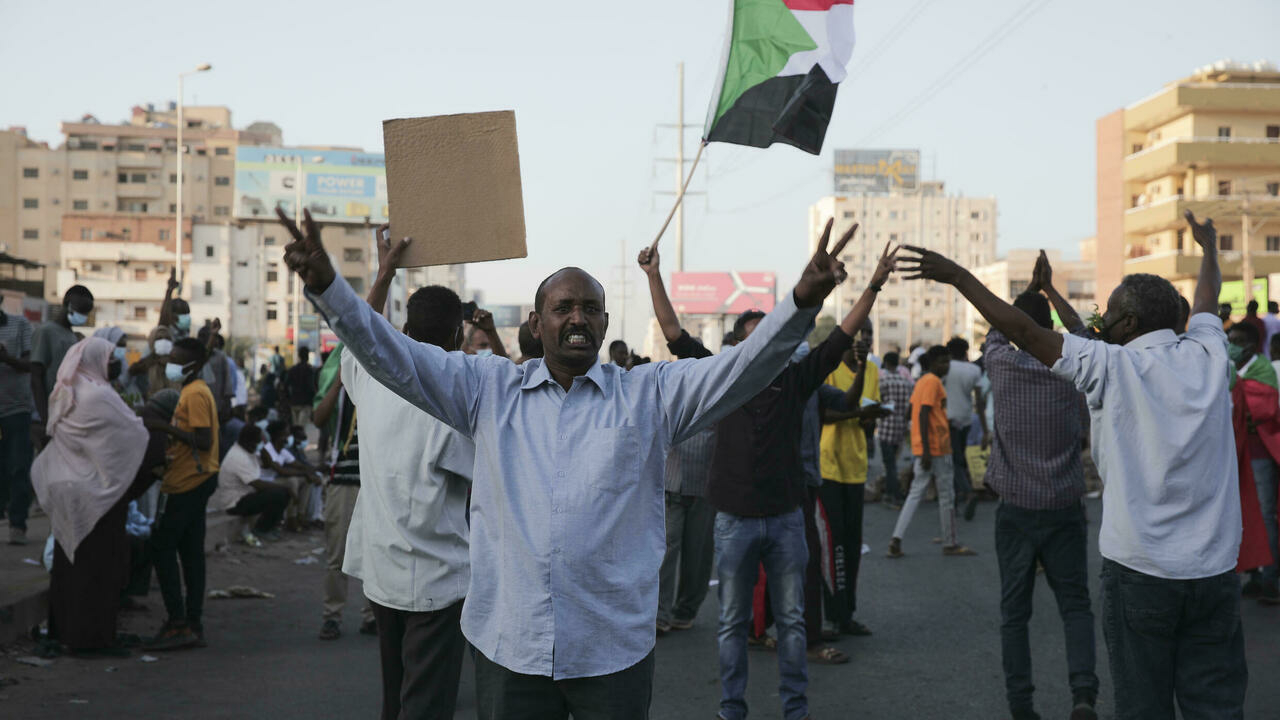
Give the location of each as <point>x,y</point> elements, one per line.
<point>1233,294</point>
<point>728,293</point>
<point>876,171</point>
<point>337,185</point>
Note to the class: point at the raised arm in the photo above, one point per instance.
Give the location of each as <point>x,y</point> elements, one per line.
<point>166,305</point>
<point>1209,285</point>
<point>1042,280</point>
<point>483,320</point>
<point>697,394</point>
<point>388,263</point>
<point>443,384</point>
<point>1045,345</point>
<point>662,308</point>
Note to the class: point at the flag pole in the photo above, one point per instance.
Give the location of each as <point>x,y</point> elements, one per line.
<point>679,197</point>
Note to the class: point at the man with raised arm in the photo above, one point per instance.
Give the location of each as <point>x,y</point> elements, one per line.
<point>1162,438</point>
<point>757,488</point>
<point>567,499</point>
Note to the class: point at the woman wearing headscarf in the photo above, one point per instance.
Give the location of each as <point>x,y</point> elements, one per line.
<point>98,459</point>
<point>149,371</point>
<point>118,364</point>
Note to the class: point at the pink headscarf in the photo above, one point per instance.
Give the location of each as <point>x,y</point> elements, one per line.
<point>97,446</point>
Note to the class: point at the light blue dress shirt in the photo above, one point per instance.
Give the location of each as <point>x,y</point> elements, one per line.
<point>567,524</point>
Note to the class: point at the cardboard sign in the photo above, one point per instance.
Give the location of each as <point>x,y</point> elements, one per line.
<point>453,185</point>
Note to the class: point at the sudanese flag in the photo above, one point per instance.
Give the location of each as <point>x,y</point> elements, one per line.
<point>781,66</point>
<point>1255,406</point>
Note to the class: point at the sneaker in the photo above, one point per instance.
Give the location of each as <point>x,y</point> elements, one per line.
<point>957,550</point>
<point>330,630</point>
<point>681,624</point>
<point>971,507</point>
<point>1083,709</point>
<point>662,628</point>
<point>855,628</point>
<point>369,627</point>
<point>251,540</point>
<point>197,628</point>
<point>17,536</point>
<point>175,635</point>
<point>895,548</point>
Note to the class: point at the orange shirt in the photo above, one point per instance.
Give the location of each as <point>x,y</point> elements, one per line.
<point>929,391</point>
<point>195,410</point>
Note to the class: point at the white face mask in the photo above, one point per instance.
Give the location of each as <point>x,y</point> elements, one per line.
<point>484,352</point>
<point>164,347</point>
<point>173,371</point>
<point>262,425</point>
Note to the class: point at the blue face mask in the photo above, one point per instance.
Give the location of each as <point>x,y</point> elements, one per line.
<point>118,353</point>
<point>184,322</point>
<point>173,372</point>
<point>76,318</point>
<point>484,352</point>
<point>262,425</point>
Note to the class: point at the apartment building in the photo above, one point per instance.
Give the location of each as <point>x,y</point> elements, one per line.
<point>1209,143</point>
<point>962,228</point>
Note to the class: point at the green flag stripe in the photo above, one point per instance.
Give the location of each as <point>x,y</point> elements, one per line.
<point>765,35</point>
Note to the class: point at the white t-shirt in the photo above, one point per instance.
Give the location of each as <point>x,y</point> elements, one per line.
<point>238,470</point>
<point>1165,447</point>
<point>281,457</point>
<point>960,381</point>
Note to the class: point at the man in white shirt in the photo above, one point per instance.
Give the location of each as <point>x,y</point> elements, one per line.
<point>280,466</point>
<point>241,489</point>
<point>1164,444</point>
<point>966,393</point>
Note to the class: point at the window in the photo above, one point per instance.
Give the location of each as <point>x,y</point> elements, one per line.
<point>352,254</point>
<point>893,302</point>
<point>164,235</point>
<point>173,208</point>
<point>1224,131</point>
<point>79,204</point>
<point>30,234</point>
<point>1224,187</point>
<point>79,174</point>
<point>208,288</point>
<point>138,178</point>
<point>356,283</point>
<point>1273,189</point>
<point>893,214</point>
<point>850,214</point>
<point>139,312</point>
<point>95,267</point>
<point>173,178</point>
<point>1226,242</point>
<point>891,323</point>
<point>130,207</point>
<point>122,177</point>
<point>975,215</point>
<point>208,251</point>
<point>135,147</point>
<point>269,240</point>
<point>893,237</point>
<point>1273,243</point>
<point>221,210</point>
<point>140,274</point>
<point>271,311</point>
<point>1273,131</point>
<point>86,233</point>
<point>222,180</point>
<point>1135,148</point>
<point>222,151</point>
<point>30,172</point>
<point>30,203</point>
<point>272,274</point>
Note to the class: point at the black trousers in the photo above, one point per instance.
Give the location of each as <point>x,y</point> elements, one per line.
<point>179,534</point>
<point>421,654</point>
<point>268,504</point>
<point>505,695</point>
<point>843,504</point>
<point>812,571</point>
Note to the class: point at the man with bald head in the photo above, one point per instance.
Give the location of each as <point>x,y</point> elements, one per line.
<point>567,529</point>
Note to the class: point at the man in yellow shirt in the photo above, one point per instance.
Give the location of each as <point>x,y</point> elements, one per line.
<point>189,480</point>
<point>844,476</point>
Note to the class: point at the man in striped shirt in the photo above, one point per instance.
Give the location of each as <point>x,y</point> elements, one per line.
<point>895,391</point>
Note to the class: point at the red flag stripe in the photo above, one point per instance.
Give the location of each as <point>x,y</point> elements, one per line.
<point>814,4</point>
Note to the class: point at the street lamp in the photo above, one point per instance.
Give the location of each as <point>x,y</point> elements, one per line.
<point>297,219</point>
<point>177,246</point>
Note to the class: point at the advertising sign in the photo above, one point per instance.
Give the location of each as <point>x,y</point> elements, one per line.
<point>876,171</point>
<point>728,293</point>
<point>1233,294</point>
<point>338,185</point>
<point>508,315</point>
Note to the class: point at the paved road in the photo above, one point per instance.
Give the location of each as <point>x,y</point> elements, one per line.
<point>935,652</point>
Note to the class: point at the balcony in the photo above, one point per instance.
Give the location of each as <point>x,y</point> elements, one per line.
<point>1176,155</point>
<point>150,190</point>
<point>1166,214</point>
<point>1176,101</point>
<point>153,161</point>
<point>1185,266</point>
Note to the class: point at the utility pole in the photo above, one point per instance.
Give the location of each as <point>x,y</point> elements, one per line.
<point>624,285</point>
<point>679,125</point>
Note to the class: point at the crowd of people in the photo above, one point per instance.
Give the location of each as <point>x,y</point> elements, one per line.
<point>556,513</point>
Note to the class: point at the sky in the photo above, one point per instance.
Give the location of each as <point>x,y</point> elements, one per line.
<point>1001,96</point>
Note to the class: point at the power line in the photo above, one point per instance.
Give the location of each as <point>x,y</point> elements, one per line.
<point>989,43</point>
<point>860,64</point>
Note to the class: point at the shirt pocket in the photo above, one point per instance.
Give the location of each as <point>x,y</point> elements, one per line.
<point>612,457</point>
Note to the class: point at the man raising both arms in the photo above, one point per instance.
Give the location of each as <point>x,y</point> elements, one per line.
<point>1162,438</point>
<point>567,502</point>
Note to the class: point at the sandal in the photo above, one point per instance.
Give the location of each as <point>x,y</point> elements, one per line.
<point>827,655</point>
<point>766,643</point>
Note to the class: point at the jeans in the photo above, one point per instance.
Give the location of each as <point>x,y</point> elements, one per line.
<point>843,505</point>
<point>743,544</point>
<point>812,570</point>
<point>940,473</point>
<point>1058,539</point>
<point>963,481</point>
<point>502,694</point>
<point>268,504</point>
<point>889,455</point>
<point>1174,639</point>
<point>421,657</point>
<point>1264,480</point>
<point>16,455</point>
<point>179,533</point>
<point>686,566</point>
